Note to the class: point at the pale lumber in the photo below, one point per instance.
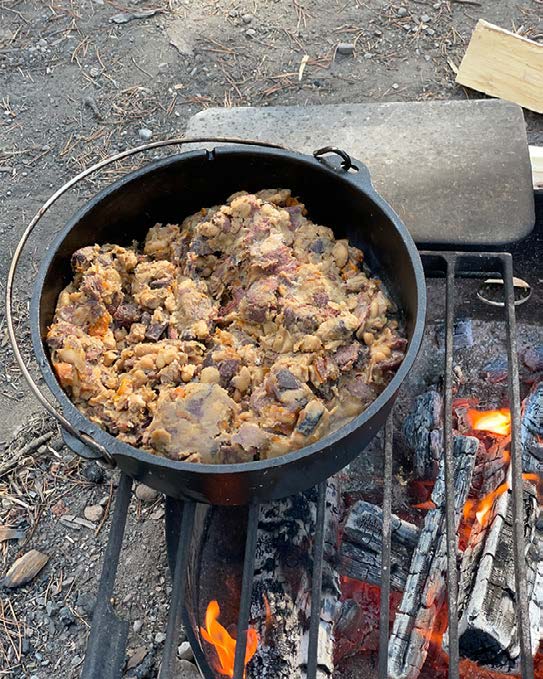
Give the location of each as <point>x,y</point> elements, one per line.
<point>536,159</point>
<point>503,64</point>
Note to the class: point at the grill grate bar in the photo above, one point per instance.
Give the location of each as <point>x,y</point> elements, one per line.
<point>521,587</point>
<point>316,584</point>
<point>384,617</point>
<point>449,465</point>
<point>246,590</point>
<point>178,594</point>
<point>106,648</point>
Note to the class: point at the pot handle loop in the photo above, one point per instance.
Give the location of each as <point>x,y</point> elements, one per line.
<point>346,163</point>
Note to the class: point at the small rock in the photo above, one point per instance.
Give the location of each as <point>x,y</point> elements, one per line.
<point>186,670</point>
<point>160,637</point>
<point>377,32</point>
<point>247,18</point>
<point>66,616</point>
<point>184,651</point>
<point>233,13</point>
<point>94,72</point>
<point>92,471</point>
<point>146,494</point>
<point>86,602</point>
<point>402,12</point>
<point>137,656</point>
<point>430,31</point>
<point>368,55</point>
<point>395,86</point>
<point>137,625</point>
<point>93,513</point>
<point>145,134</point>
<point>425,18</point>
<point>250,32</point>
<point>406,27</point>
<point>345,48</point>
<point>76,660</point>
<point>437,5</point>
<point>42,42</point>
<point>163,67</point>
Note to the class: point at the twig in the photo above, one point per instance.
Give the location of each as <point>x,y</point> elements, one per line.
<point>467,2</point>
<point>28,448</point>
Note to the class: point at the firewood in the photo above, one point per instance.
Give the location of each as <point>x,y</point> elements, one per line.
<point>25,568</point>
<point>503,64</point>
<point>487,601</point>
<point>425,588</point>
<point>281,598</point>
<point>360,551</point>
<point>531,430</point>
<point>423,433</point>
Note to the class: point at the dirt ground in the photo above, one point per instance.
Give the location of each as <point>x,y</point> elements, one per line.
<point>82,79</point>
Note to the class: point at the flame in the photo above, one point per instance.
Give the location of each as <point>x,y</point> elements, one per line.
<point>224,645</point>
<point>487,501</point>
<point>494,421</point>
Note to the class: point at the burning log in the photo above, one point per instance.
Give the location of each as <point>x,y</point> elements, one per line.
<point>487,600</point>
<point>531,431</point>
<point>423,432</point>
<point>281,599</point>
<point>360,552</point>
<point>426,584</point>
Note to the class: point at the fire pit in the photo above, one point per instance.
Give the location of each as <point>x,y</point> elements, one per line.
<point>400,596</point>
<point>422,558</point>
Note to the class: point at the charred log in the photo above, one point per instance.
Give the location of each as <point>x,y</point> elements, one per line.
<point>531,430</point>
<point>281,600</point>
<point>426,584</point>
<point>360,551</point>
<point>487,600</point>
<point>423,433</point>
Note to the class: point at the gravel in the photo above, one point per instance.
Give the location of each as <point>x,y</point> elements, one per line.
<point>93,513</point>
<point>145,134</point>
<point>146,494</point>
<point>345,48</point>
<point>184,651</point>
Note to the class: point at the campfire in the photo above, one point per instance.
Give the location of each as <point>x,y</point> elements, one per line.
<point>225,645</point>
<point>277,640</point>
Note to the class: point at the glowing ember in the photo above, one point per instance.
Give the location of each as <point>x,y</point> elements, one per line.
<point>224,645</point>
<point>494,421</point>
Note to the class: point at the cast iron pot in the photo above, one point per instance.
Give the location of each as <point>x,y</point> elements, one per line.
<point>341,197</point>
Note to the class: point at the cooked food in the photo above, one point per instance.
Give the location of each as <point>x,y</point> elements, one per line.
<point>245,333</point>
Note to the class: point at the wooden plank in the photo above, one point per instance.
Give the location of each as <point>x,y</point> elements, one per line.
<point>536,159</point>
<point>502,64</point>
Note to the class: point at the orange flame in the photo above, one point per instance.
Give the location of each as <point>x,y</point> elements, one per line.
<point>428,504</point>
<point>224,645</point>
<point>494,421</point>
<point>486,503</point>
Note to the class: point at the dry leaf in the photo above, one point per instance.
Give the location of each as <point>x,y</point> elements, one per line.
<point>25,568</point>
<point>8,533</point>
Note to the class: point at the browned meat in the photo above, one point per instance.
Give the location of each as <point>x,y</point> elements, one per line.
<point>244,333</point>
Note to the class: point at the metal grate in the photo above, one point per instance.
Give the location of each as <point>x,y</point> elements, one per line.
<point>107,642</point>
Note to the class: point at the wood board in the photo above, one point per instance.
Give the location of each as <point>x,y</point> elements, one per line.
<point>503,64</point>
